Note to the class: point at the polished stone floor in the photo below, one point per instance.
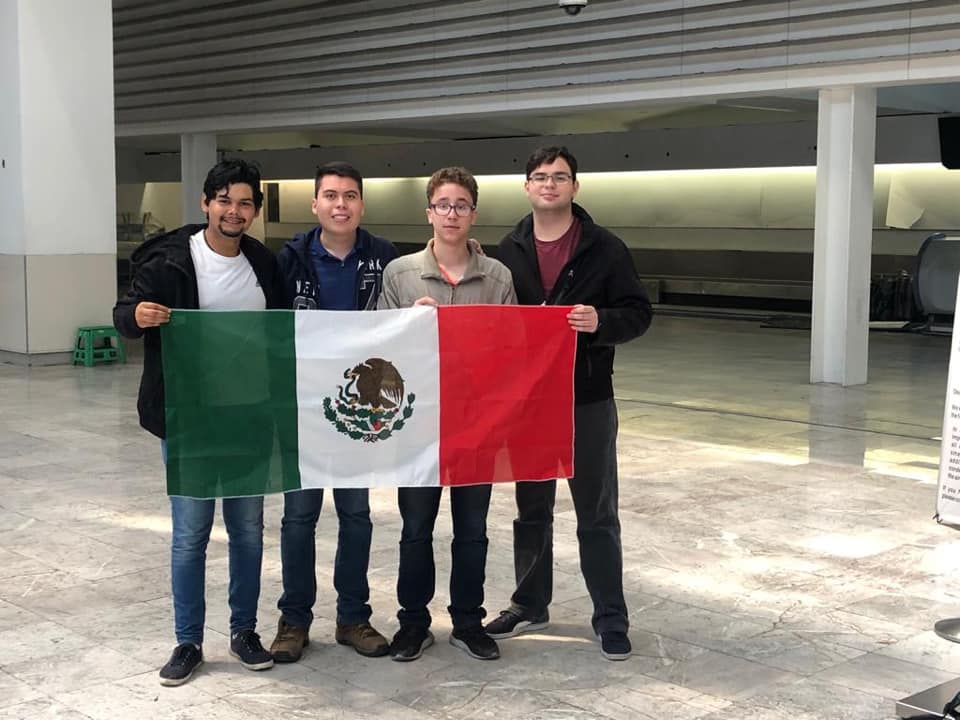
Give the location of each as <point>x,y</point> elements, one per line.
<point>781,562</point>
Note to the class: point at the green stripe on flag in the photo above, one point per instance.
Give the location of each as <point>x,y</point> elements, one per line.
<point>230,382</point>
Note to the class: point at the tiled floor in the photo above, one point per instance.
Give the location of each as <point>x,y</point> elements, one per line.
<point>780,558</point>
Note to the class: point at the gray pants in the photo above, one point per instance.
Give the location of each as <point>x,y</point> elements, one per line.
<point>594,493</point>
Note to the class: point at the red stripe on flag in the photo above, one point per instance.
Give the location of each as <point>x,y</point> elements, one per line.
<point>506,393</point>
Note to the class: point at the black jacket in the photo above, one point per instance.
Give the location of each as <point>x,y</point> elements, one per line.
<point>300,275</point>
<point>163,272</point>
<point>600,273</point>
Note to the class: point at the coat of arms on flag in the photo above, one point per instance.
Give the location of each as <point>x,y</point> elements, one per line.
<point>372,405</point>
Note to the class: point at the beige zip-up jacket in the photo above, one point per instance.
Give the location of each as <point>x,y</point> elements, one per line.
<point>407,279</point>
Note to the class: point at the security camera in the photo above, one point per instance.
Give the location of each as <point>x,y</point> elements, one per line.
<point>572,7</point>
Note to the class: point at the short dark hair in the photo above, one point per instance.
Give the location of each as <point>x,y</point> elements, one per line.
<point>232,172</point>
<point>340,169</point>
<point>456,175</point>
<point>547,155</point>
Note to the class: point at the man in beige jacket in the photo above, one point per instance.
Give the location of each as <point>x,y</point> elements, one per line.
<point>448,271</point>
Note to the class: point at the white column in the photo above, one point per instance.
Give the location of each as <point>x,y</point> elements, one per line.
<point>198,153</point>
<point>58,237</point>
<point>846,136</point>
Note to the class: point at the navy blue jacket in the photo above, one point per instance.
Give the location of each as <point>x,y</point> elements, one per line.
<point>300,275</point>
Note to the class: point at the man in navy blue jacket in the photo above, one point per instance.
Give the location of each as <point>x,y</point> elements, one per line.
<point>335,266</point>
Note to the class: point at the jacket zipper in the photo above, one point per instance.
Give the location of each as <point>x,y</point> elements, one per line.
<point>557,295</point>
<point>564,286</point>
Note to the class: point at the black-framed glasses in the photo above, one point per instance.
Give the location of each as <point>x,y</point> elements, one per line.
<point>559,178</point>
<point>443,208</point>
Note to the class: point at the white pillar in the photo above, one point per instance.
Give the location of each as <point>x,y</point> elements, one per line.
<point>58,237</point>
<point>846,137</point>
<point>198,153</point>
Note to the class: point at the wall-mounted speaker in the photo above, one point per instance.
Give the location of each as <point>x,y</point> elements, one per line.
<point>271,202</point>
<point>950,142</point>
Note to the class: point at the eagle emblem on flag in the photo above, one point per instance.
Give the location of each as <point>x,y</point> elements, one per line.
<point>372,405</point>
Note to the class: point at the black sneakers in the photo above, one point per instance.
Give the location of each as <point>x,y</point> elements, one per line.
<point>475,642</point>
<point>511,623</point>
<point>179,668</point>
<point>410,642</point>
<point>246,647</point>
<point>186,658</point>
<point>614,645</point>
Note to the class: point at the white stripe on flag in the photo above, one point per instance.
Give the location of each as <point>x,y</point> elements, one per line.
<point>407,340</point>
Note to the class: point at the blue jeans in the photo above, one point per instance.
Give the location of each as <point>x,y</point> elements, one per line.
<point>416,579</point>
<point>298,530</point>
<point>192,522</point>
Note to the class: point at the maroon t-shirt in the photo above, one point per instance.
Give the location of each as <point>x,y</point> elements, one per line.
<point>552,256</point>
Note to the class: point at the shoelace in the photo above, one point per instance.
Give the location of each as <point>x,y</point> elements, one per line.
<point>288,632</point>
<point>367,631</point>
<point>473,632</point>
<point>251,641</point>
<point>182,655</point>
<point>510,614</point>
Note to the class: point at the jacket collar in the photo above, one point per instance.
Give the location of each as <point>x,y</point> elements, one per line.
<point>431,269</point>
<point>173,245</point>
<point>523,232</point>
<point>362,245</point>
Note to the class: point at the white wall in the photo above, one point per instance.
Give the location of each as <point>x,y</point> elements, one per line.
<point>57,173</point>
<point>761,209</point>
<point>774,212</point>
<point>67,126</point>
<point>11,187</point>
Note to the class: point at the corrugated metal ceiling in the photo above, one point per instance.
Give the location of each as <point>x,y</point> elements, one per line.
<point>278,63</point>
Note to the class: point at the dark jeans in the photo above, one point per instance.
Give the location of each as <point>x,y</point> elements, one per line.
<point>298,554</point>
<point>416,580</point>
<point>594,493</point>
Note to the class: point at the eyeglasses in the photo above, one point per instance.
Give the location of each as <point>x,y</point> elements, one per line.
<point>559,178</point>
<point>444,208</point>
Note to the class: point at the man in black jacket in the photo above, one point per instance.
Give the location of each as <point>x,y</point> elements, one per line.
<point>559,256</point>
<point>335,266</point>
<point>214,266</point>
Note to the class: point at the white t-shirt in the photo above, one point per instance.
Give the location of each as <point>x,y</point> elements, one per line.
<point>225,283</point>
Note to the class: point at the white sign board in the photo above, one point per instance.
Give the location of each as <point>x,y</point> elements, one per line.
<point>948,493</point>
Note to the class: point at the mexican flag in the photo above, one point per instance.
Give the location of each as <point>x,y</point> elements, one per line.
<point>269,401</point>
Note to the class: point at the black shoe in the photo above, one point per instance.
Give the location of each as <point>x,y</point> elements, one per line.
<point>179,668</point>
<point>246,647</point>
<point>475,642</point>
<point>410,642</point>
<point>614,645</point>
<point>511,623</point>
